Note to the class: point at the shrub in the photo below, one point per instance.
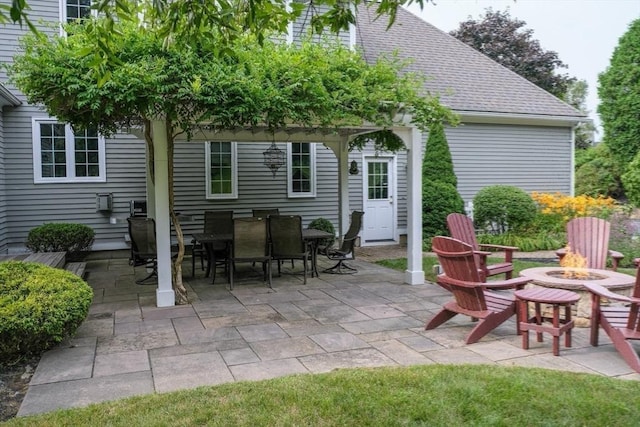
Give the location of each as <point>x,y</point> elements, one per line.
<point>439,199</point>
<point>39,307</point>
<point>436,163</point>
<point>631,181</point>
<point>59,237</point>
<point>597,173</point>
<point>502,208</point>
<point>624,237</point>
<point>324,225</point>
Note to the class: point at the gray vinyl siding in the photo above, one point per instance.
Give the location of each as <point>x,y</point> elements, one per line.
<point>257,188</point>
<point>301,28</point>
<point>533,158</point>
<point>30,204</point>
<point>3,196</point>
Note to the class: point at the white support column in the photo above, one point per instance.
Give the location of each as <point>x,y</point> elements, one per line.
<point>414,275</point>
<point>165,295</point>
<point>341,151</point>
<point>343,186</point>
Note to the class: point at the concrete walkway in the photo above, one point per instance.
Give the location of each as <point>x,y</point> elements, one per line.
<point>127,346</point>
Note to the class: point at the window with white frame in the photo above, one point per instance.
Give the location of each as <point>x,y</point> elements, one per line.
<point>301,169</point>
<point>62,155</point>
<point>75,9</point>
<point>221,170</point>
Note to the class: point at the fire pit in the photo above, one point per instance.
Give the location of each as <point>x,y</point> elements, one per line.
<point>573,279</point>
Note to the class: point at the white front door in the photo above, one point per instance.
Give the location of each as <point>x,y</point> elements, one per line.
<point>379,188</point>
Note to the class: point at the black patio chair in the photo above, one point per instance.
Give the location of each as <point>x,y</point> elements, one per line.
<point>143,246</point>
<point>264,213</point>
<point>250,244</point>
<point>287,242</point>
<point>347,249</point>
<point>214,221</point>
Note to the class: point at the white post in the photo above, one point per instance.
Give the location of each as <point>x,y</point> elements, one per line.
<point>414,275</point>
<point>151,190</point>
<point>165,295</point>
<point>341,151</point>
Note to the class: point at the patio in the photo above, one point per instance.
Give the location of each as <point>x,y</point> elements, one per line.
<point>128,346</point>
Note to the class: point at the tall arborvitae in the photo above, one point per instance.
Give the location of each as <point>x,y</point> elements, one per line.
<point>440,196</point>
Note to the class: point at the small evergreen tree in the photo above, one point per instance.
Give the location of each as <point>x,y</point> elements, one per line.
<point>440,196</point>
<point>436,163</point>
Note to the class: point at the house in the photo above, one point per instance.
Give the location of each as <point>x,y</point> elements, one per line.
<point>511,133</point>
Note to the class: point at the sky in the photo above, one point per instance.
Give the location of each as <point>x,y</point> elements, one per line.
<point>584,33</point>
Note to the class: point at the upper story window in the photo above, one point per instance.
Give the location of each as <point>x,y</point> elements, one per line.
<point>70,10</point>
<point>221,170</point>
<point>301,169</point>
<point>60,155</point>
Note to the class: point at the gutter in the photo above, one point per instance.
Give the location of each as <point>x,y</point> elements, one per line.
<point>7,98</point>
<point>520,119</point>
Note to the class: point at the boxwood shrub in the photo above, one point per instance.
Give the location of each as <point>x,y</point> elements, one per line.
<point>502,208</point>
<point>39,307</point>
<point>324,225</point>
<point>61,237</point>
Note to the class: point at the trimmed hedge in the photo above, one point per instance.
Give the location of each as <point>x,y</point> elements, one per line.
<point>502,208</point>
<point>39,307</point>
<point>324,225</point>
<point>439,199</point>
<point>60,237</point>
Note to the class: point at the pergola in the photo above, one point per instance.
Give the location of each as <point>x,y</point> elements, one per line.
<point>336,139</point>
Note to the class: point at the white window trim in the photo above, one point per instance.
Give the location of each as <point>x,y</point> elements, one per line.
<point>70,156</point>
<point>62,4</point>
<point>312,153</point>
<point>234,173</point>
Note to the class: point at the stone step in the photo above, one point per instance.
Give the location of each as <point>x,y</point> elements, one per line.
<point>52,259</point>
<point>76,268</point>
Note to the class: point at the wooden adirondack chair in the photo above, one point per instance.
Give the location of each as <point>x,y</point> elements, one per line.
<point>620,322</point>
<point>461,228</point>
<point>589,237</point>
<point>471,294</point>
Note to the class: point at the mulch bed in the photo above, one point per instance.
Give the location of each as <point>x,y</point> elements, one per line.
<point>14,383</point>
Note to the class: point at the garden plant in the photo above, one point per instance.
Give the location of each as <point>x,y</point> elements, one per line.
<point>39,307</point>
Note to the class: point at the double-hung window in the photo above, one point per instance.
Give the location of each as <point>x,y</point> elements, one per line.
<point>62,155</point>
<point>301,169</point>
<point>75,9</point>
<point>221,170</point>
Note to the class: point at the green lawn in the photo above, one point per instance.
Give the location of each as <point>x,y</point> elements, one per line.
<point>434,395</point>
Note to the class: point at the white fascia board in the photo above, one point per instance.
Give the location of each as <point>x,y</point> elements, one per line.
<point>520,119</point>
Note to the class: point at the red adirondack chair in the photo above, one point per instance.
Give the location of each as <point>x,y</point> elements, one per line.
<point>471,294</point>
<point>461,228</point>
<point>589,237</point>
<point>620,322</point>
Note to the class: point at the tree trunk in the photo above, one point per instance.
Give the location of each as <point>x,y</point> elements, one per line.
<point>176,270</point>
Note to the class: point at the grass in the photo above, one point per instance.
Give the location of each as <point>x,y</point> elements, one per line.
<point>434,395</point>
<point>430,261</point>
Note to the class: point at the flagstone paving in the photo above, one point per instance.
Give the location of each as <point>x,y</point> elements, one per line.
<point>127,346</point>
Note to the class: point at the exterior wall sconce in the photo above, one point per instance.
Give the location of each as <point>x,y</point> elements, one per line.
<point>353,169</point>
<point>273,158</point>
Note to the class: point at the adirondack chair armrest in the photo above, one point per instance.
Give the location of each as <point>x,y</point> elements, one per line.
<point>615,259</point>
<point>508,250</point>
<point>603,292</point>
<point>500,247</point>
<point>515,283</point>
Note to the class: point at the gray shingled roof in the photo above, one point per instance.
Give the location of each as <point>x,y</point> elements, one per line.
<point>465,79</point>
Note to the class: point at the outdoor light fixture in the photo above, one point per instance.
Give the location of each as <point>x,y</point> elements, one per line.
<point>273,158</point>
<point>353,169</point>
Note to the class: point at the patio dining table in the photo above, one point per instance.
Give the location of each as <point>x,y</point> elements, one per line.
<point>310,235</point>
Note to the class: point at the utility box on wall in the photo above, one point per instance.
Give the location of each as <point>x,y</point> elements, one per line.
<point>104,202</point>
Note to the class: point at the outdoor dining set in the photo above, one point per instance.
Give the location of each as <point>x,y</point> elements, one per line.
<point>263,238</point>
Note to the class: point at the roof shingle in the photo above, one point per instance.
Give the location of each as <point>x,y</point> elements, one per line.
<point>463,78</point>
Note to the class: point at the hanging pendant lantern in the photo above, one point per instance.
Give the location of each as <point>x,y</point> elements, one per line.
<point>273,158</point>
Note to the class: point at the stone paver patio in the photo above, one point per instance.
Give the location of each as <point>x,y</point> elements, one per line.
<point>127,346</point>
